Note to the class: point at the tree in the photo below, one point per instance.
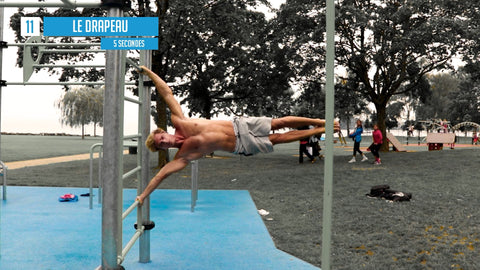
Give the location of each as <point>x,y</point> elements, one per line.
<point>297,36</point>
<point>82,106</point>
<point>348,101</point>
<point>389,46</point>
<point>217,53</point>
<point>443,87</point>
<point>469,10</point>
<point>311,102</point>
<point>393,114</point>
<point>465,103</point>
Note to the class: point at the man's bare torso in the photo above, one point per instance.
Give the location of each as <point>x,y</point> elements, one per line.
<point>198,137</point>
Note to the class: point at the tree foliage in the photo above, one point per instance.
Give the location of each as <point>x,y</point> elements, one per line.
<point>444,86</point>
<point>465,103</point>
<point>311,102</point>
<point>348,101</point>
<point>469,11</point>
<point>218,53</point>
<point>297,35</point>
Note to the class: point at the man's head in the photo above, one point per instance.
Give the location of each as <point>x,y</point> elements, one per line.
<point>159,139</point>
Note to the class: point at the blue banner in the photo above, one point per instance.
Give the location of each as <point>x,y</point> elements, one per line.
<point>129,44</point>
<point>100,26</point>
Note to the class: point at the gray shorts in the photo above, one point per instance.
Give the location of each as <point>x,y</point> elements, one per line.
<point>252,135</point>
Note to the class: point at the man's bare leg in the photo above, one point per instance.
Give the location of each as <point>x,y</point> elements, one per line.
<point>296,122</point>
<point>294,135</point>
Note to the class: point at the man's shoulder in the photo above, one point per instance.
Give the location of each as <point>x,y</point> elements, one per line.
<point>176,119</point>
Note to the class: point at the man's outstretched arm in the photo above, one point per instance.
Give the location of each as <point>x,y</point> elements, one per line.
<point>164,90</point>
<point>169,168</point>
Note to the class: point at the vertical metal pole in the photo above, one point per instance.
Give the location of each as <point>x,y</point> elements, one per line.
<point>4,175</point>
<point>1,78</point>
<point>113,157</point>
<point>329,117</point>
<point>90,199</point>
<point>144,130</point>
<point>194,192</point>
<point>100,182</point>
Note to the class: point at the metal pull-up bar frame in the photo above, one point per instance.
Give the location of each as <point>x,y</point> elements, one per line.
<point>3,174</point>
<point>112,254</point>
<point>29,64</point>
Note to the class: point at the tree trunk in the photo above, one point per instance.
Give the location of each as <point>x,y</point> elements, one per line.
<point>162,123</point>
<point>161,111</point>
<point>348,125</point>
<point>381,117</point>
<point>162,6</point>
<point>83,131</point>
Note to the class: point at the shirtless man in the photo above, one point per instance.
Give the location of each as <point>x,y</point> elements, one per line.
<point>196,138</point>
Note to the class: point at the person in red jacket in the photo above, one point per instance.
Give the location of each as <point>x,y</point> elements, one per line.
<point>377,143</point>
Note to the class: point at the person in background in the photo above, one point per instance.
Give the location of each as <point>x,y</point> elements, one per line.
<point>357,138</point>
<point>303,150</point>
<point>377,143</point>
<point>313,142</point>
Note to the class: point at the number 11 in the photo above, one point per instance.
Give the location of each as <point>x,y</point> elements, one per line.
<point>29,26</point>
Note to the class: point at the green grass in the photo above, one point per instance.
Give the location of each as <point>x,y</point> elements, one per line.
<point>25,147</point>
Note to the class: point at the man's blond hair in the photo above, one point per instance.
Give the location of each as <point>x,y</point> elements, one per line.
<point>150,142</point>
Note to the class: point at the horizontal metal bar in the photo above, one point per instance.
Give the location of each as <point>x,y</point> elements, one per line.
<point>129,209</point>
<point>67,2</point>
<point>131,172</point>
<point>131,62</point>
<point>55,44</point>
<point>69,66</point>
<point>133,100</point>
<point>58,4</point>
<point>130,244</point>
<point>134,136</point>
<point>61,83</point>
<point>55,83</point>
<point>72,51</point>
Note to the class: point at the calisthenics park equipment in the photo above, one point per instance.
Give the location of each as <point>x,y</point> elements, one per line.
<point>112,166</point>
<point>111,218</point>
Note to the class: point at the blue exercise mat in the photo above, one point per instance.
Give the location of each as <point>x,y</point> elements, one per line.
<point>224,232</point>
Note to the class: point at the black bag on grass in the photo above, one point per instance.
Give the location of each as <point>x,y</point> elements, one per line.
<point>377,191</point>
<point>384,191</point>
